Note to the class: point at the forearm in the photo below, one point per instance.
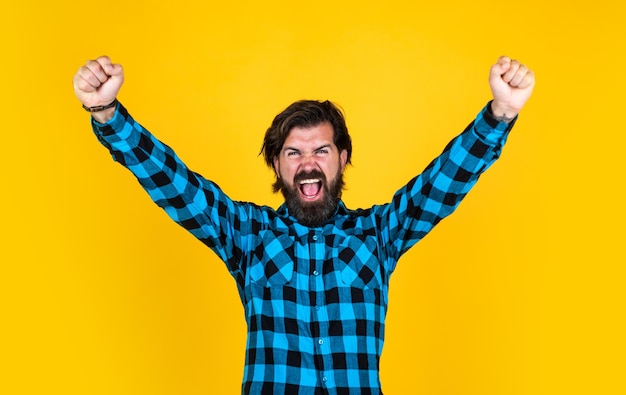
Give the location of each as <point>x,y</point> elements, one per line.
<point>189,199</point>
<point>439,189</point>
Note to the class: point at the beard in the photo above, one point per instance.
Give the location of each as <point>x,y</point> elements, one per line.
<point>312,214</point>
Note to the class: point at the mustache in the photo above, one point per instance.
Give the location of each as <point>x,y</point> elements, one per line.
<point>305,175</point>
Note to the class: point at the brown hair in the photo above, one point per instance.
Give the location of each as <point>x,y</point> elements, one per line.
<point>305,113</point>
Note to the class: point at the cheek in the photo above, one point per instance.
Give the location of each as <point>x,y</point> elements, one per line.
<point>285,173</point>
<point>334,168</point>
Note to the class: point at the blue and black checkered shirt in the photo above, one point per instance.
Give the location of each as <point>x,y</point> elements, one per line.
<point>315,299</point>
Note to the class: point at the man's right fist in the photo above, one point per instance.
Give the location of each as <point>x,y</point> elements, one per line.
<point>98,82</point>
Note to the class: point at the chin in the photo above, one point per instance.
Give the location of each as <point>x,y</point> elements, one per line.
<point>312,213</point>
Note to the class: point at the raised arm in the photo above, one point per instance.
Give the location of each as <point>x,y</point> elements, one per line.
<point>439,189</point>
<point>195,203</point>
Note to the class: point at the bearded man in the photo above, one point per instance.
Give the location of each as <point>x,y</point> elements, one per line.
<point>313,275</point>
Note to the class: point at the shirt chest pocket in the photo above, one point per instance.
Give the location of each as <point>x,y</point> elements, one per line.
<point>272,262</point>
<point>359,262</point>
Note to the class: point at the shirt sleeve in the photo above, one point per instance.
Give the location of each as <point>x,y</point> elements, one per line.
<point>434,194</point>
<point>195,203</point>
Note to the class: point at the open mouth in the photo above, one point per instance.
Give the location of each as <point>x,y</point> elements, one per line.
<point>310,188</point>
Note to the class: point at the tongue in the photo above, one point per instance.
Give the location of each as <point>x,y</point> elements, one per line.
<point>310,189</point>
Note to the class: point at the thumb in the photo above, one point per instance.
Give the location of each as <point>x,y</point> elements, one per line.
<point>115,81</point>
<point>114,71</point>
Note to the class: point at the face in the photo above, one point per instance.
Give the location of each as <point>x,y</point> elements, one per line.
<point>310,168</point>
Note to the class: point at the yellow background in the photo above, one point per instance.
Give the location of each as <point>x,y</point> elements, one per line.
<point>519,292</point>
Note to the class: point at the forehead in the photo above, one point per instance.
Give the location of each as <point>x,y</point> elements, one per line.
<point>317,135</point>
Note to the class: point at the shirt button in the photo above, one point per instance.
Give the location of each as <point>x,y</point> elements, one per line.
<point>321,341</point>
<point>314,237</point>
<point>316,273</point>
<point>324,378</point>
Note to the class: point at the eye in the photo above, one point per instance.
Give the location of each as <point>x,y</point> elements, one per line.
<point>292,154</point>
<point>322,151</point>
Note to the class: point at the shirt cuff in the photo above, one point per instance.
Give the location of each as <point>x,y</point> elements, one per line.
<point>116,115</point>
<point>118,132</point>
<point>490,129</point>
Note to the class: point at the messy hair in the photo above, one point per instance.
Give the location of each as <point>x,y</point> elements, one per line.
<point>305,113</point>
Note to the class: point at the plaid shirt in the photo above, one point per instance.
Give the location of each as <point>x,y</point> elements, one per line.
<point>315,299</point>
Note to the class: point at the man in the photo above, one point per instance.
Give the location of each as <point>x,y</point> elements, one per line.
<point>312,275</point>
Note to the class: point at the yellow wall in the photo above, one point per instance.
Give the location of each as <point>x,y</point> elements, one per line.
<point>520,292</point>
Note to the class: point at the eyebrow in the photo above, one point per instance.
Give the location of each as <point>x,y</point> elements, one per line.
<point>316,149</point>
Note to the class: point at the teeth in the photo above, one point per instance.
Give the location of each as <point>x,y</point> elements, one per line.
<point>309,181</point>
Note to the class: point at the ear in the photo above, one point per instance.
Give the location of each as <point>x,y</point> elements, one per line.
<point>343,159</point>
<point>276,167</point>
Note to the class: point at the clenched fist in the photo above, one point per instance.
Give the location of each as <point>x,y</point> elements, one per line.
<point>97,83</point>
<point>511,84</point>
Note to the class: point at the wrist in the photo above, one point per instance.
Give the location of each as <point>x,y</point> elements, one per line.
<point>502,113</point>
<point>102,114</point>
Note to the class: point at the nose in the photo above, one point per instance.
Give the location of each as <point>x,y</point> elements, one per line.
<point>308,162</point>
